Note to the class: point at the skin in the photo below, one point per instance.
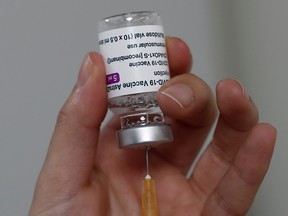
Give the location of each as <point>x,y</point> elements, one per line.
<point>85,173</point>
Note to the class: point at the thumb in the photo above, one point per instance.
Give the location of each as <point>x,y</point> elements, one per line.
<point>71,154</point>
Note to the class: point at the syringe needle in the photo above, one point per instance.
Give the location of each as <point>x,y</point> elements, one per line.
<point>149,199</point>
<point>147,161</point>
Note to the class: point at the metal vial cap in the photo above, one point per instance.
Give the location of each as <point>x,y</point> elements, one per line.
<point>142,136</point>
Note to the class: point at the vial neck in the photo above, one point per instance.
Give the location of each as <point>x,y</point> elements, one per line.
<point>142,119</point>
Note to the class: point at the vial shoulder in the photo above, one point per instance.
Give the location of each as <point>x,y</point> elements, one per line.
<point>137,18</point>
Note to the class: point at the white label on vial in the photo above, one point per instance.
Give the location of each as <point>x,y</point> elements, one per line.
<point>135,59</point>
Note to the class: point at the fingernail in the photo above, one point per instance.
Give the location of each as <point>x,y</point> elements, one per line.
<point>243,90</point>
<point>86,68</point>
<point>181,94</point>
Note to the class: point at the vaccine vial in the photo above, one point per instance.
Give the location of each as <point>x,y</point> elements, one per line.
<point>134,51</point>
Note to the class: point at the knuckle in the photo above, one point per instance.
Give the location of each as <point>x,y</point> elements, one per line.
<point>65,114</point>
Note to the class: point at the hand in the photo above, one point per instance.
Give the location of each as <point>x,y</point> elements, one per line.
<point>85,173</point>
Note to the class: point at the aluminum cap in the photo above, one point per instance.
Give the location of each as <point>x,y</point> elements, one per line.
<point>142,136</point>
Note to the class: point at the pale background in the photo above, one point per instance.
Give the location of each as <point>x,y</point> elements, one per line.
<point>42,44</point>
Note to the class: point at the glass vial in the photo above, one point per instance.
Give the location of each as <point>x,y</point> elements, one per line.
<point>134,51</point>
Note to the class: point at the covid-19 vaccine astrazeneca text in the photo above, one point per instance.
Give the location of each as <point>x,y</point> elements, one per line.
<point>134,51</point>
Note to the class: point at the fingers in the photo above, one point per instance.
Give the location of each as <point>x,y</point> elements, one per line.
<point>179,56</point>
<point>70,157</point>
<point>235,103</point>
<point>189,100</point>
<point>189,105</point>
<point>235,194</point>
<point>238,115</point>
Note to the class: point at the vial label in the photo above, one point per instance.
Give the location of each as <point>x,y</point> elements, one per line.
<point>135,59</point>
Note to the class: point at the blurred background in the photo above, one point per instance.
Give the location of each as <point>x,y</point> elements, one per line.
<point>42,44</point>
